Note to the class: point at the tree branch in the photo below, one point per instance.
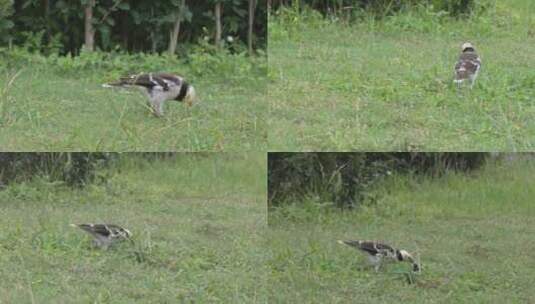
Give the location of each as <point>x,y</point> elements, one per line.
<point>109,11</point>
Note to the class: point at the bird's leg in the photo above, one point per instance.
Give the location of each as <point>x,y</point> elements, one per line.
<point>157,107</point>
<point>473,80</point>
<point>97,244</point>
<point>378,263</point>
<point>160,108</point>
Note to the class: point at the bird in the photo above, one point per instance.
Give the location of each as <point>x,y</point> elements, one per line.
<point>105,235</point>
<point>378,253</point>
<point>468,65</point>
<point>159,88</point>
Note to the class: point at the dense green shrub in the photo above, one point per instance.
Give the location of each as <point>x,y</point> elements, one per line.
<point>75,169</point>
<point>379,8</point>
<point>235,66</point>
<point>6,10</point>
<point>345,178</point>
<point>129,26</point>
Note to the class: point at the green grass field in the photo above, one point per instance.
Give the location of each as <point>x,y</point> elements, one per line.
<point>375,86</point>
<point>46,111</point>
<point>197,221</point>
<point>473,236</point>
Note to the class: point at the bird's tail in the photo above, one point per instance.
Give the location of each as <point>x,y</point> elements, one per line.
<point>124,82</point>
<point>354,243</point>
<point>113,84</point>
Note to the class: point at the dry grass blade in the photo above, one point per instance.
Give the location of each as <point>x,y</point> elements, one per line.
<point>10,82</point>
<point>4,118</point>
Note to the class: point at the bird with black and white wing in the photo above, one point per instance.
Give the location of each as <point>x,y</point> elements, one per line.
<point>379,253</point>
<point>467,66</point>
<point>159,88</point>
<point>105,235</point>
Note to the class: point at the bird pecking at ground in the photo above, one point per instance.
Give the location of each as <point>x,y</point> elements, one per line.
<point>105,235</point>
<point>379,253</point>
<point>159,88</point>
<point>467,66</point>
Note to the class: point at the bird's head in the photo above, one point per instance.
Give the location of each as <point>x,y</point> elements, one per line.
<point>191,96</point>
<point>125,233</point>
<point>467,46</point>
<point>405,256</point>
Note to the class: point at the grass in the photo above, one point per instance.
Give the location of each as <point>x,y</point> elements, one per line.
<point>198,221</point>
<point>376,86</point>
<point>472,235</point>
<point>43,110</point>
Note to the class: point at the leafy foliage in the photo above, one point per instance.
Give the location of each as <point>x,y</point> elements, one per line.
<point>125,25</point>
<point>345,178</point>
<point>201,62</point>
<point>6,10</point>
<point>72,168</point>
<point>379,8</point>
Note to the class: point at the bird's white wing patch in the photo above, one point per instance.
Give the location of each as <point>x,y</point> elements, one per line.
<point>156,86</point>
<point>169,83</point>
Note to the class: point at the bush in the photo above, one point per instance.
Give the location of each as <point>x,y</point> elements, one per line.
<point>75,169</point>
<point>6,10</point>
<point>114,64</point>
<point>379,8</point>
<point>346,178</point>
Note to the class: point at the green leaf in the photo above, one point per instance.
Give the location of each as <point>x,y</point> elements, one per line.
<point>27,3</point>
<point>241,12</point>
<point>6,24</point>
<point>136,17</point>
<point>110,21</point>
<point>187,15</point>
<point>124,6</point>
<point>101,10</point>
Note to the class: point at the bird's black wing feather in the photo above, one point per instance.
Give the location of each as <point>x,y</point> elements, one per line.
<point>369,247</point>
<point>95,229</point>
<point>169,78</point>
<point>381,246</point>
<point>145,80</point>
